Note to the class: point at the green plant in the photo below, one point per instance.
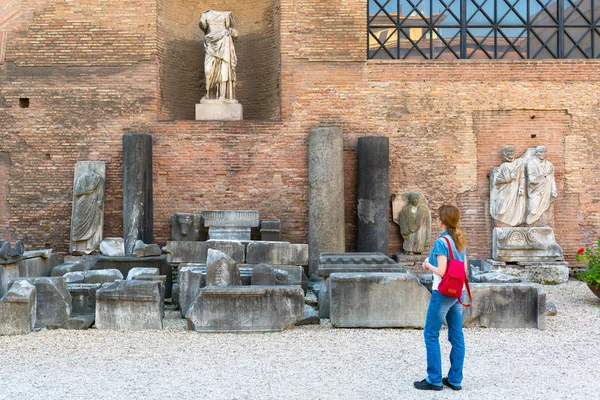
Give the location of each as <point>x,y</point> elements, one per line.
<point>591,275</point>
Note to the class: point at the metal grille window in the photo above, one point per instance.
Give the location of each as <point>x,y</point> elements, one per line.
<point>484,29</point>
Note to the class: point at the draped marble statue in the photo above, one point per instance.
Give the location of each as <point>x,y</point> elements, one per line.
<point>541,186</point>
<point>220,60</point>
<point>411,213</point>
<point>88,207</point>
<point>507,189</point>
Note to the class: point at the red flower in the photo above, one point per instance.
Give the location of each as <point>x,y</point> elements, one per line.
<point>581,251</point>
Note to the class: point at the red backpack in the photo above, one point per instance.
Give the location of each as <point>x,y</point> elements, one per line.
<point>455,278</point>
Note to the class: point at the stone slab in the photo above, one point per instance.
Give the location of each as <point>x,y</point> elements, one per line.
<point>142,249</point>
<point>142,271</point>
<point>221,270</point>
<point>8,272</point>
<point>66,267</point>
<point>219,112</point>
<point>506,305</point>
<point>229,233</point>
<point>18,309</point>
<point>377,300</point>
<point>528,244</point>
<point>191,279</point>
<point>330,263</point>
<point>126,264</point>
<point>113,247</point>
<point>310,317</point>
<point>129,305</point>
<point>196,252</point>
<point>53,300</point>
<point>545,273</point>
<point>230,218</point>
<point>277,253</point>
<point>37,266</point>
<point>46,253</point>
<point>83,297</point>
<point>95,276</point>
<point>76,322</point>
<point>245,309</point>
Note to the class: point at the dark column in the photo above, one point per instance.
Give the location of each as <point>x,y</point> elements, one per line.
<point>373,194</point>
<point>138,217</point>
<point>325,193</point>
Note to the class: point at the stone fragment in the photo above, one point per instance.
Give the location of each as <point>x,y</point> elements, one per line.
<point>551,310</point>
<point>545,273</point>
<point>142,271</point>
<point>113,247</point>
<point>87,217</point>
<point>221,270</point>
<point>377,300</point>
<point>8,272</point>
<point>330,263</point>
<point>53,300</point>
<point>266,275</point>
<point>497,277</point>
<point>185,227</point>
<point>196,252</point>
<point>230,224</point>
<point>47,253</point>
<point>76,322</point>
<point>324,299</point>
<point>506,305</point>
<point>66,267</point>
<point>97,276</point>
<point>310,317</point>
<point>83,297</point>
<point>245,309</point>
<point>326,229</point>
<point>37,266</point>
<point>138,217</point>
<point>191,279</point>
<point>525,244</point>
<point>311,299</point>
<point>18,309</point>
<point>142,249</point>
<point>277,253</point>
<point>270,230</point>
<point>373,206</point>
<point>126,264</point>
<point>129,305</point>
<point>11,255</point>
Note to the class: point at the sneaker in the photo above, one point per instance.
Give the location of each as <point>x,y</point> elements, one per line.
<point>451,386</point>
<point>424,385</point>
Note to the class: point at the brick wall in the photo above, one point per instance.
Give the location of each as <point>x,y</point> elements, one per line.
<point>181,55</point>
<point>446,122</point>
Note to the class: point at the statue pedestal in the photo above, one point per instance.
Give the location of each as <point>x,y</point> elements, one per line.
<point>219,110</point>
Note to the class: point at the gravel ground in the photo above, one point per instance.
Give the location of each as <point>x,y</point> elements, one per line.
<point>312,362</point>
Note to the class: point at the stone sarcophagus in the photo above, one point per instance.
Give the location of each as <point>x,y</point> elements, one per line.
<point>525,244</point>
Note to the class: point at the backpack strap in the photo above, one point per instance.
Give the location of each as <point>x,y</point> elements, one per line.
<point>449,247</point>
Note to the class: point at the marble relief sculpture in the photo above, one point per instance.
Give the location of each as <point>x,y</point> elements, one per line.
<point>522,190</point>
<point>411,213</point>
<point>507,189</point>
<point>220,60</point>
<point>541,186</point>
<point>88,207</point>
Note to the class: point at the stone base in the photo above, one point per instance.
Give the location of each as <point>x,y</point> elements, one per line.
<point>246,309</point>
<point>377,300</point>
<point>525,244</point>
<point>330,263</point>
<point>17,309</point>
<point>546,273</point>
<point>506,305</point>
<point>219,111</point>
<point>229,233</point>
<point>130,305</point>
<point>196,252</point>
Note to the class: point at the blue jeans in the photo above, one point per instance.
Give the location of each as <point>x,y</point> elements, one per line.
<point>444,307</point>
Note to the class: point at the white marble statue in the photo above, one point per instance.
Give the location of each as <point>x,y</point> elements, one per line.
<point>507,189</point>
<point>411,213</point>
<point>541,186</point>
<point>88,207</point>
<point>220,60</point>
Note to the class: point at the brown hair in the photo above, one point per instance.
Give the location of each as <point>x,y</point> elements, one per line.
<point>450,217</point>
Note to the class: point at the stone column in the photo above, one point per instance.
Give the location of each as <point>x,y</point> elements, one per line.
<point>325,193</point>
<point>373,206</point>
<point>137,190</point>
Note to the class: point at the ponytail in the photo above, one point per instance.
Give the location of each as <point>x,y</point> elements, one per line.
<point>450,217</point>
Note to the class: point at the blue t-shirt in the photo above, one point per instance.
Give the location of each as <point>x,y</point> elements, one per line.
<point>441,247</point>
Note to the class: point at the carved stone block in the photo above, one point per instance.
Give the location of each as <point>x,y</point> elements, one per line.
<point>270,230</point>
<point>230,224</point>
<point>533,244</point>
<point>197,252</point>
<point>277,253</point>
<point>53,300</point>
<point>330,263</point>
<point>37,266</point>
<point>17,309</point>
<point>87,218</point>
<point>221,270</point>
<point>185,227</point>
<point>245,308</point>
<point>506,305</point>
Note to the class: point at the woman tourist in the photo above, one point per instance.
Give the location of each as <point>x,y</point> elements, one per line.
<point>444,307</point>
